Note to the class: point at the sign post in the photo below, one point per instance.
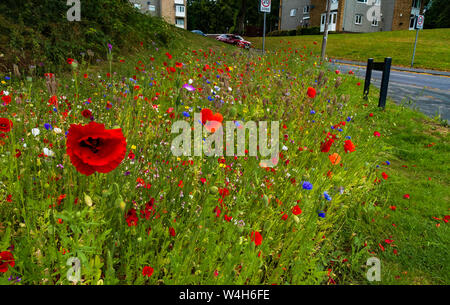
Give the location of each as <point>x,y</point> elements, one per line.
<point>419,26</point>
<point>265,8</point>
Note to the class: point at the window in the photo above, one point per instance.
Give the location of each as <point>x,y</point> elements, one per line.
<point>180,22</point>
<point>293,12</point>
<point>374,22</point>
<point>416,4</point>
<point>358,19</point>
<point>180,9</point>
<point>306,9</point>
<point>152,8</point>
<point>361,1</point>
<point>137,5</point>
<point>322,21</point>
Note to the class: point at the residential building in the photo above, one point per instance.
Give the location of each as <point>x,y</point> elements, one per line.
<point>358,16</point>
<point>173,11</point>
<point>294,14</point>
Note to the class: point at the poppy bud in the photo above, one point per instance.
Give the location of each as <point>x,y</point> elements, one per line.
<point>88,200</point>
<point>120,203</point>
<point>213,189</point>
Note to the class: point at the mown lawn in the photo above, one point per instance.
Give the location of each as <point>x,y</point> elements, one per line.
<point>432,48</point>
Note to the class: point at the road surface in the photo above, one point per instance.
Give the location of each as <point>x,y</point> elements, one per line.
<point>430,94</point>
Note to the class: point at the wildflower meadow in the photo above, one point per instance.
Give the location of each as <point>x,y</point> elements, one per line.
<point>88,173</point>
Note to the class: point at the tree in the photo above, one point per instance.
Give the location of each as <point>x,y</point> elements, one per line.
<point>219,16</point>
<point>438,16</point>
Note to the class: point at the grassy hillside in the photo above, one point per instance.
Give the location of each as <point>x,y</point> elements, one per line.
<point>432,48</point>
<point>37,34</point>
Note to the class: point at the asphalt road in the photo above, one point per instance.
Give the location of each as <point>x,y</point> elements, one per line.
<point>429,94</point>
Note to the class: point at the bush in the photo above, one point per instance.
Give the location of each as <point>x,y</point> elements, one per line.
<point>48,40</point>
<point>315,30</point>
<point>282,33</point>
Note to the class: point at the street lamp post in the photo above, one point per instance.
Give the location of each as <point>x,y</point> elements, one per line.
<point>325,32</point>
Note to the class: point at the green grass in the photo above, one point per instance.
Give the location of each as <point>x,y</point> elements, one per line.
<point>90,221</point>
<point>432,48</point>
<point>418,151</point>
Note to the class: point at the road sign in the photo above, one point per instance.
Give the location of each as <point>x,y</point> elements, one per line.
<point>419,22</point>
<point>265,6</point>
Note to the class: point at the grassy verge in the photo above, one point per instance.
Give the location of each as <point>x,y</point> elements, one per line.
<point>409,235</point>
<point>432,47</point>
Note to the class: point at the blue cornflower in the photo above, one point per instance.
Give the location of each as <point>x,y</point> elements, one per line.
<point>388,163</point>
<point>321,214</point>
<point>48,126</point>
<point>327,197</point>
<point>186,114</point>
<point>307,185</point>
<point>312,112</point>
<point>349,119</point>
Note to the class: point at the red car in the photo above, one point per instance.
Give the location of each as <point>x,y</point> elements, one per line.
<point>235,40</point>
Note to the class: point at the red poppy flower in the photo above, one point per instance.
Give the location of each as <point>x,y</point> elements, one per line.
<point>385,176</point>
<point>132,218</point>
<point>325,146</point>
<point>86,113</point>
<point>211,121</point>
<point>311,92</point>
<point>349,146</point>
<point>376,134</point>
<point>6,99</point>
<point>6,260</point>
<point>172,231</point>
<point>256,237</point>
<point>296,210</point>
<point>53,100</point>
<point>70,61</point>
<point>147,271</point>
<point>5,125</point>
<point>406,196</point>
<point>92,148</point>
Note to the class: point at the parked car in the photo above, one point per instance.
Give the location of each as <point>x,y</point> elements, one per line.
<point>199,32</point>
<point>235,40</point>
